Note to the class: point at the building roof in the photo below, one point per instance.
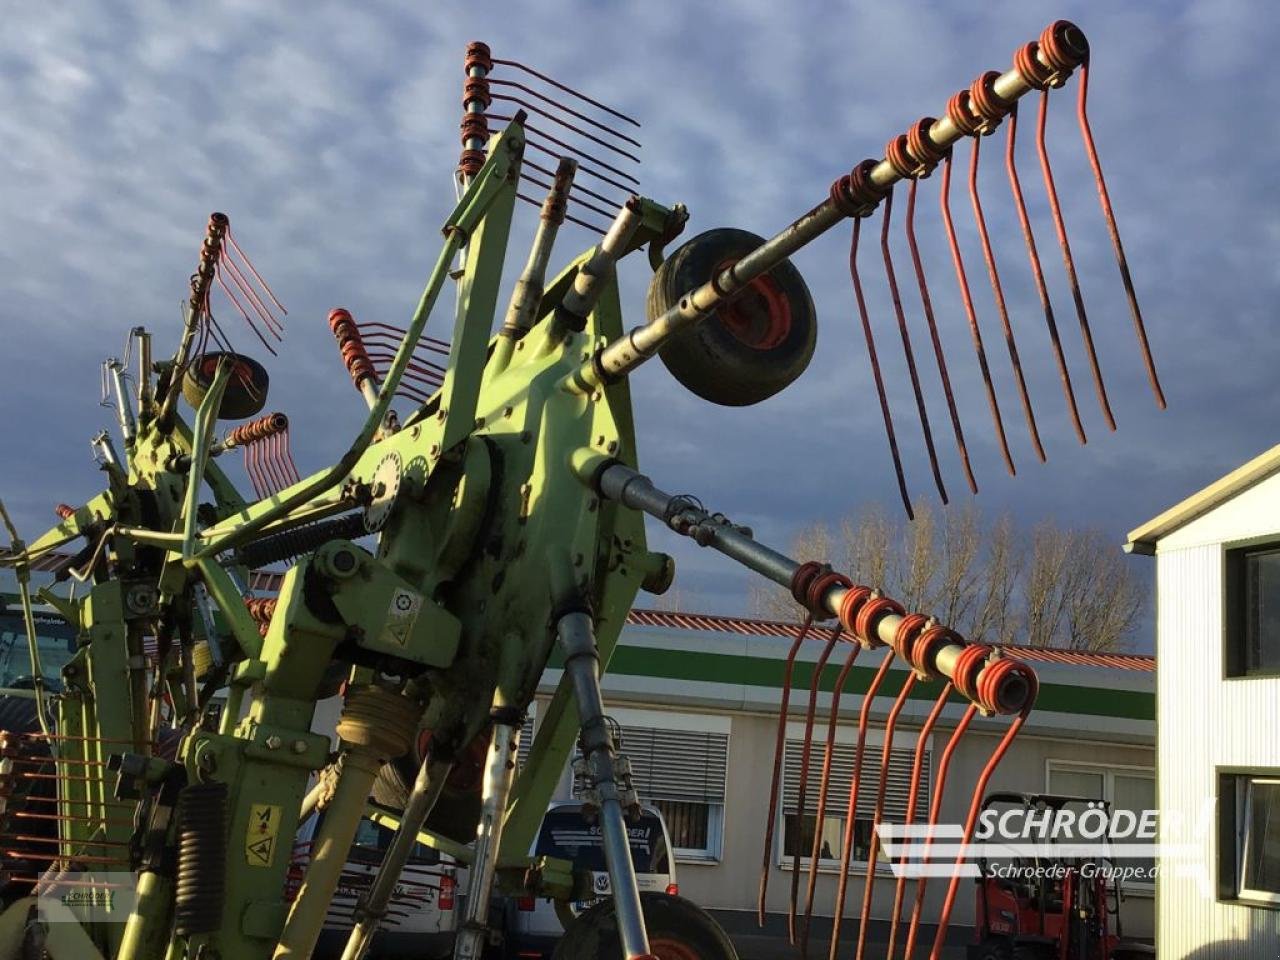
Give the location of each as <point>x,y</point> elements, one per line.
<point>773,628</point>
<point>1143,539</point>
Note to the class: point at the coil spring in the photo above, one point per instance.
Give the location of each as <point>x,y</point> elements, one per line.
<point>354,355</point>
<point>294,543</point>
<point>202,859</point>
<point>260,429</point>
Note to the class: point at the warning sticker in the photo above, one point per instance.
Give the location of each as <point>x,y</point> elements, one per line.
<point>401,616</point>
<point>260,837</point>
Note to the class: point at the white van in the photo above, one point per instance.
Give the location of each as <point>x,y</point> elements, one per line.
<point>421,918</point>
<point>531,928</point>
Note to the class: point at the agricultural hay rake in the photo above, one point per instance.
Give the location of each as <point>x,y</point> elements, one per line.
<point>436,567</point>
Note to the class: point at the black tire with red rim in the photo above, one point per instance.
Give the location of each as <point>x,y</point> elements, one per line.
<point>752,347</point>
<point>246,391</point>
<point>678,930</point>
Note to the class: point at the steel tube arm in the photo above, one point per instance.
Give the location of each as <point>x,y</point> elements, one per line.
<point>687,517</point>
<point>634,348</point>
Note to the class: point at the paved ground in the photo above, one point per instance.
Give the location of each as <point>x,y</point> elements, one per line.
<point>770,942</point>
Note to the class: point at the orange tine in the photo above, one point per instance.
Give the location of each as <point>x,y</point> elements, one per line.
<point>1001,307</point>
<point>906,346</point>
<point>1069,261</point>
<point>815,684</point>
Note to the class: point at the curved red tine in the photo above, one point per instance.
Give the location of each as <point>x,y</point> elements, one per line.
<point>294,475</point>
<point>851,810</point>
<point>578,200</point>
<point>886,754</point>
<point>875,367</point>
<point>917,766</point>
<point>583,168</point>
<point>906,346</point>
<point>926,303</point>
<point>247,319</point>
<point>277,462</point>
<point>516,85</point>
<point>1069,261</point>
<point>373,328</point>
<point>542,134</point>
<point>241,281</point>
<point>257,276</point>
<point>566,124</point>
<point>594,227</point>
<point>780,743</point>
<point>997,290</point>
<point>975,805</point>
<point>963,280</point>
<point>250,467</point>
<point>833,719</point>
<point>815,685</point>
<point>1038,272</point>
<point>935,806</point>
<point>1104,198</point>
<point>567,89</point>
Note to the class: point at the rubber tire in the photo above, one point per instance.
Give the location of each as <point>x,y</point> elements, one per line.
<point>455,815</point>
<point>709,358</point>
<point>239,401</point>
<point>594,935</point>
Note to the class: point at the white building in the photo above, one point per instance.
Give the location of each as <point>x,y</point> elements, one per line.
<point>1218,696</point>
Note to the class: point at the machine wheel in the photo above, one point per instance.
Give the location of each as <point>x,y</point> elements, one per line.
<point>246,392</point>
<point>456,813</point>
<point>747,350</point>
<point>678,930</point>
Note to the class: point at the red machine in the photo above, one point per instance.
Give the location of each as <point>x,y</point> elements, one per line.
<point>1047,907</point>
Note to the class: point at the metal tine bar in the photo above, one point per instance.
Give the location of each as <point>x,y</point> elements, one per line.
<point>425,367</point>
<point>579,188</point>
<point>779,747</point>
<point>906,347</point>
<point>815,685</point>
<point>566,124</point>
<point>560,86</point>
<point>251,295</point>
<point>917,766</point>
<point>886,754</point>
<point>594,227</point>
<point>567,146</point>
<point>935,807</point>
<point>256,275</point>
<point>567,109</point>
<point>975,806</point>
<point>294,475</point>
<point>1015,185</point>
<point>851,810</point>
<point>824,786</point>
<point>247,319</point>
<point>584,168</point>
<point>1069,261</point>
<point>1122,262</point>
<point>580,202</point>
<point>271,447</point>
<point>963,280</point>
<point>997,291</point>
<point>926,303</point>
<point>65,737</point>
<point>372,328</point>
<point>875,367</point>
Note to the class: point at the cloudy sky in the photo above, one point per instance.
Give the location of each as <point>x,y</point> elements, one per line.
<point>328,132</point>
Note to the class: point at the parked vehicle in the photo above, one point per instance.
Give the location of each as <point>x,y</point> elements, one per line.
<point>532,928</point>
<point>421,918</point>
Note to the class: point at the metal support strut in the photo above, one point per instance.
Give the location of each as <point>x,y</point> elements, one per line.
<point>582,662</point>
<point>498,773</point>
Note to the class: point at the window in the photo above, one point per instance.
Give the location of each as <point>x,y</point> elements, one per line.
<point>1131,789</point>
<point>1253,612</point>
<point>1249,837</point>
<point>682,773</point>
<point>897,792</point>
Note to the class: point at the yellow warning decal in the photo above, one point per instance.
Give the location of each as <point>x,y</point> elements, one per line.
<point>260,836</point>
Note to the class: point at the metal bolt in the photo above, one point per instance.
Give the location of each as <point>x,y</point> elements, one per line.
<point>613,446</point>
<point>344,561</point>
<point>508,411</point>
<point>299,746</point>
<point>435,450</point>
<point>273,742</point>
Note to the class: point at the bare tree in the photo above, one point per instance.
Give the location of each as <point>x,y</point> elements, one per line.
<point>993,581</point>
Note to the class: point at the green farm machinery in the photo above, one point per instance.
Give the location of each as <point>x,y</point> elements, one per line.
<point>432,571</point>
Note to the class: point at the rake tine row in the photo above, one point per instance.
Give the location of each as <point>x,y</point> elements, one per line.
<point>974,113</point>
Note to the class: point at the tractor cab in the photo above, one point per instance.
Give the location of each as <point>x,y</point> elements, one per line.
<point>1047,887</point>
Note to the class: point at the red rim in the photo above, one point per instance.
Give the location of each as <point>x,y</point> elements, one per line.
<point>760,316</point>
<point>667,949</point>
